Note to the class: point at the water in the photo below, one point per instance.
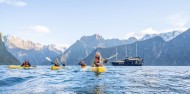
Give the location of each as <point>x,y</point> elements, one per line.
<point>117,80</point>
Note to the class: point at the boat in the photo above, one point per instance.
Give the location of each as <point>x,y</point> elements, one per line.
<point>83,67</point>
<point>129,61</point>
<point>99,69</point>
<point>20,67</point>
<point>55,67</point>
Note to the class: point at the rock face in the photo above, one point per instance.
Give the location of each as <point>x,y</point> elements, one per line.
<point>148,49</point>
<point>166,36</point>
<point>177,51</point>
<point>83,47</point>
<point>34,52</point>
<point>6,58</point>
<point>155,51</point>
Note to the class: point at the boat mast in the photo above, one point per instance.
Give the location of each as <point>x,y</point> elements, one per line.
<point>136,48</point>
<point>116,53</point>
<point>126,50</point>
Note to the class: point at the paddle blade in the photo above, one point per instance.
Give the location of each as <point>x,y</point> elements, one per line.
<point>112,56</point>
<point>48,59</point>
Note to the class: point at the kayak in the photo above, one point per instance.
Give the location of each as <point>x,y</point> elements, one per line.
<point>55,67</point>
<point>20,67</point>
<point>99,69</point>
<point>83,67</point>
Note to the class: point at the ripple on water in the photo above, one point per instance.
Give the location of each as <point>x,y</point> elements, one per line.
<point>117,80</point>
<point>12,81</point>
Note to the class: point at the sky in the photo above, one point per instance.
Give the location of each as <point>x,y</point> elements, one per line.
<point>63,22</point>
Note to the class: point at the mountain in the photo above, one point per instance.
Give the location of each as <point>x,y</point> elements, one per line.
<point>83,47</point>
<point>155,51</point>
<point>6,58</point>
<point>148,49</point>
<point>176,51</point>
<point>166,36</point>
<point>34,52</point>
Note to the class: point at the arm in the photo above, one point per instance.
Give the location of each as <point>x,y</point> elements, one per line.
<point>104,60</point>
<point>93,65</point>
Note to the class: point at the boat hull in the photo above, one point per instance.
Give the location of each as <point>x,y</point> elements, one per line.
<point>129,62</point>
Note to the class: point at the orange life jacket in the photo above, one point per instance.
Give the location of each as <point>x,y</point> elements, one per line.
<point>26,64</point>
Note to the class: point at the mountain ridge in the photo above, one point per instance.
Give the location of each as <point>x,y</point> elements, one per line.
<point>6,57</point>
<point>83,47</point>
<point>155,51</point>
<point>36,53</point>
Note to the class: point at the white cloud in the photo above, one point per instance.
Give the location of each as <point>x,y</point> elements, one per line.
<point>179,20</point>
<point>140,34</point>
<point>150,30</point>
<point>129,34</point>
<point>39,28</point>
<point>181,29</point>
<point>63,45</point>
<point>16,3</point>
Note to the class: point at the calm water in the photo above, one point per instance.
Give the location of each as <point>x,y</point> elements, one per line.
<point>117,80</point>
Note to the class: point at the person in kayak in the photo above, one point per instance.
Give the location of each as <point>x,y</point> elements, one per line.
<point>56,62</point>
<point>82,64</point>
<point>98,60</point>
<point>26,64</point>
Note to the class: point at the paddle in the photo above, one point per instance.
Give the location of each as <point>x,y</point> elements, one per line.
<point>112,56</point>
<point>47,58</point>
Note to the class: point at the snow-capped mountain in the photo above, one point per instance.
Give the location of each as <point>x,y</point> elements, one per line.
<point>6,57</point>
<point>155,51</point>
<point>36,53</point>
<point>166,36</point>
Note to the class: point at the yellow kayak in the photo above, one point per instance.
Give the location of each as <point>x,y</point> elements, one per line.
<point>99,69</point>
<point>83,67</point>
<point>55,67</point>
<point>19,67</point>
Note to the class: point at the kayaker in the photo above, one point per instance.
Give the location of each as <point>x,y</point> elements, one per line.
<point>98,60</point>
<point>82,63</point>
<point>56,63</point>
<point>26,64</point>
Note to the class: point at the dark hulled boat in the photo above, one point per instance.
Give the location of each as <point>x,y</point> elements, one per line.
<point>129,61</point>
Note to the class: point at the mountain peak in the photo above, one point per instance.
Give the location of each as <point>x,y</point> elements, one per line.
<point>1,35</point>
<point>132,38</point>
<point>98,36</point>
<point>167,36</point>
<point>93,37</point>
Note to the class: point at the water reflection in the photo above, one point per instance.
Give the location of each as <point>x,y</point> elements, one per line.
<point>98,89</point>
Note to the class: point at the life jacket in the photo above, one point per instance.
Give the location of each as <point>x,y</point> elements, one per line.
<point>83,64</point>
<point>26,64</point>
<point>56,64</point>
<point>97,62</point>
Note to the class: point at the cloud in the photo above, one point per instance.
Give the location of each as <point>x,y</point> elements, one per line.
<point>140,34</point>
<point>150,30</point>
<point>39,28</point>
<point>178,20</point>
<point>181,29</point>
<point>63,45</point>
<point>16,3</point>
